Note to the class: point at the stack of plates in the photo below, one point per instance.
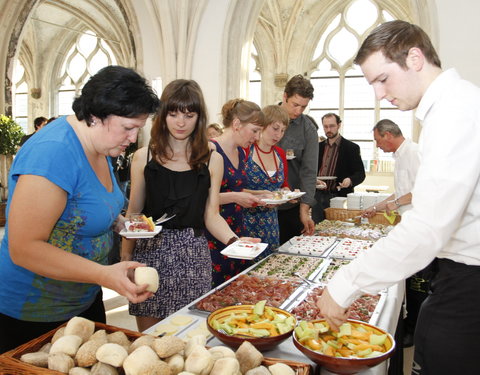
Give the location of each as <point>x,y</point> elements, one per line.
<point>354,201</point>
<point>361,200</point>
<point>369,199</point>
<point>338,202</point>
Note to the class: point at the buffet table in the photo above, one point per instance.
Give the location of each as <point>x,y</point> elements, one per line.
<point>387,320</point>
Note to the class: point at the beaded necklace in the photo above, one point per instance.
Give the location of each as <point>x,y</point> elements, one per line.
<point>260,151</point>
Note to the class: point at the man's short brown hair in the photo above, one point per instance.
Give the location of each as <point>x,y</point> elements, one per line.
<point>394,39</point>
<point>299,85</point>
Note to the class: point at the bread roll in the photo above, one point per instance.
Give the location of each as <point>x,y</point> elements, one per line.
<point>79,371</point>
<point>167,346</point>
<point>60,362</point>
<point>176,363</point>
<point>100,368</point>
<point>218,352</point>
<point>200,361</point>
<point>195,340</point>
<point>67,344</point>
<point>142,340</point>
<point>225,366</point>
<point>120,338</point>
<point>112,354</point>
<point>39,359</point>
<point>58,333</point>
<point>81,327</point>
<point>281,369</point>
<point>85,356</point>
<point>100,335</point>
<point>147,275</point>
<point>144,361</point>
<point>260,370</point>
<point>248,356</point>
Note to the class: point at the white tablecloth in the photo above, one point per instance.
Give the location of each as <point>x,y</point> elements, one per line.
<point>387,320</point>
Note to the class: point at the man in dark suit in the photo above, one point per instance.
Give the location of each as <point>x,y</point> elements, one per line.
<point>337,157</point>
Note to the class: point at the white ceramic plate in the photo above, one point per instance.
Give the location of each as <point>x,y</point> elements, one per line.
<point>290,157</point>
<point>127,234</point>
<point>244,250</point>
<point>294,194</point>
<point>326,178</point>
<point>275,201</point>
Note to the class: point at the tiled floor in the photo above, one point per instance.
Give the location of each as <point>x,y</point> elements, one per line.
<point>117,315</point>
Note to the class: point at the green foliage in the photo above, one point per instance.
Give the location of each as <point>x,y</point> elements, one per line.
<point>10,135</point>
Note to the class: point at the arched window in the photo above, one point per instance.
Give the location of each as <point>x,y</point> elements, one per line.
<point>254,78</point>
<point>87,56</point>
<point>20,96</point>
<point>340,86</point>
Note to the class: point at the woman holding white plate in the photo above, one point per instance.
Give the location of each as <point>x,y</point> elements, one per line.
<point>179,176</point>
<point>266,169</point>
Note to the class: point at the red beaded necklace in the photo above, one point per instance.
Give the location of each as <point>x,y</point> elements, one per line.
<point>263,166</point>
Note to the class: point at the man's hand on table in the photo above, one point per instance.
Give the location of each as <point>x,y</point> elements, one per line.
<point>335,314</point>
<point>308,224</point>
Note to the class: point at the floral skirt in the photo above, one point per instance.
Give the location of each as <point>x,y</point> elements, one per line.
<point>184,268</point>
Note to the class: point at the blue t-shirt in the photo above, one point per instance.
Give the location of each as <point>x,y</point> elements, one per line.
<point>84,227</point>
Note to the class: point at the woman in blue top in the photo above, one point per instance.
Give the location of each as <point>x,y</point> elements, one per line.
<point>62,205</point>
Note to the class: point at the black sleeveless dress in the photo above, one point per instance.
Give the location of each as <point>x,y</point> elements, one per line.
<point>180,252</point>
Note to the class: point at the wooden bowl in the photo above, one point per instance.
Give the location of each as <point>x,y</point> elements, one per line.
<point>347,366</point>
<point>234,341</point>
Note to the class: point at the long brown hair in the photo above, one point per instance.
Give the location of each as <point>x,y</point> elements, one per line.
<point>184,96</point>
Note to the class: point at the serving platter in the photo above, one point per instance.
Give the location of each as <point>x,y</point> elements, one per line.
<point>244,250</point>
<point>134,235</point>
<point>366,308</point>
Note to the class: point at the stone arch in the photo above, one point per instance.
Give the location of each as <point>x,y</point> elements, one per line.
<point>113,20</point>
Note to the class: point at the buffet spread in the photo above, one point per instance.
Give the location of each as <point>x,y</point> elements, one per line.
<point>291,279</point>
<point>278,280</point>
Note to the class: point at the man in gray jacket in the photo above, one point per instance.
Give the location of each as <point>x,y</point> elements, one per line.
<point>301,137</point>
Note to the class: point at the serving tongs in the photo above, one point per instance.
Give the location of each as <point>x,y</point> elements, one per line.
<point>309,282</point>
<point>164,218</point>
<point>221,330</point>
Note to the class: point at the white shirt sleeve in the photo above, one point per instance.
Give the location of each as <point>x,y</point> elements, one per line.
<point>445,218</point>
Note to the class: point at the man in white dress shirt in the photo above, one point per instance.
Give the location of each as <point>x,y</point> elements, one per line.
<point>389,138</point>
<point>443,226</point>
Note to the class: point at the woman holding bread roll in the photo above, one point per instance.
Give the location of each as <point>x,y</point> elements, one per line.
<point>176,175</point>
<point>63,202</point>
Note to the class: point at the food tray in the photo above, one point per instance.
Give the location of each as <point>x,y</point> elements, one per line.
<point>374,315</point>
<point>10,361</point>
<point>343,214</point>
<point>283,265</point>
<point>228,294</point>
<point>318,246</point>
<point>349,248</point>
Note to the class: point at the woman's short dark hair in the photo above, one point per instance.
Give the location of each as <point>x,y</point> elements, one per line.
<point>115,90</point>
<point>185,96</point>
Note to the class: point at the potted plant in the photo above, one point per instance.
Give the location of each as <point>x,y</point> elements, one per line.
<point>10,135</point>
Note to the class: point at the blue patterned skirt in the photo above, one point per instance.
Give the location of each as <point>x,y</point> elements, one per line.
<point>184,268</point>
